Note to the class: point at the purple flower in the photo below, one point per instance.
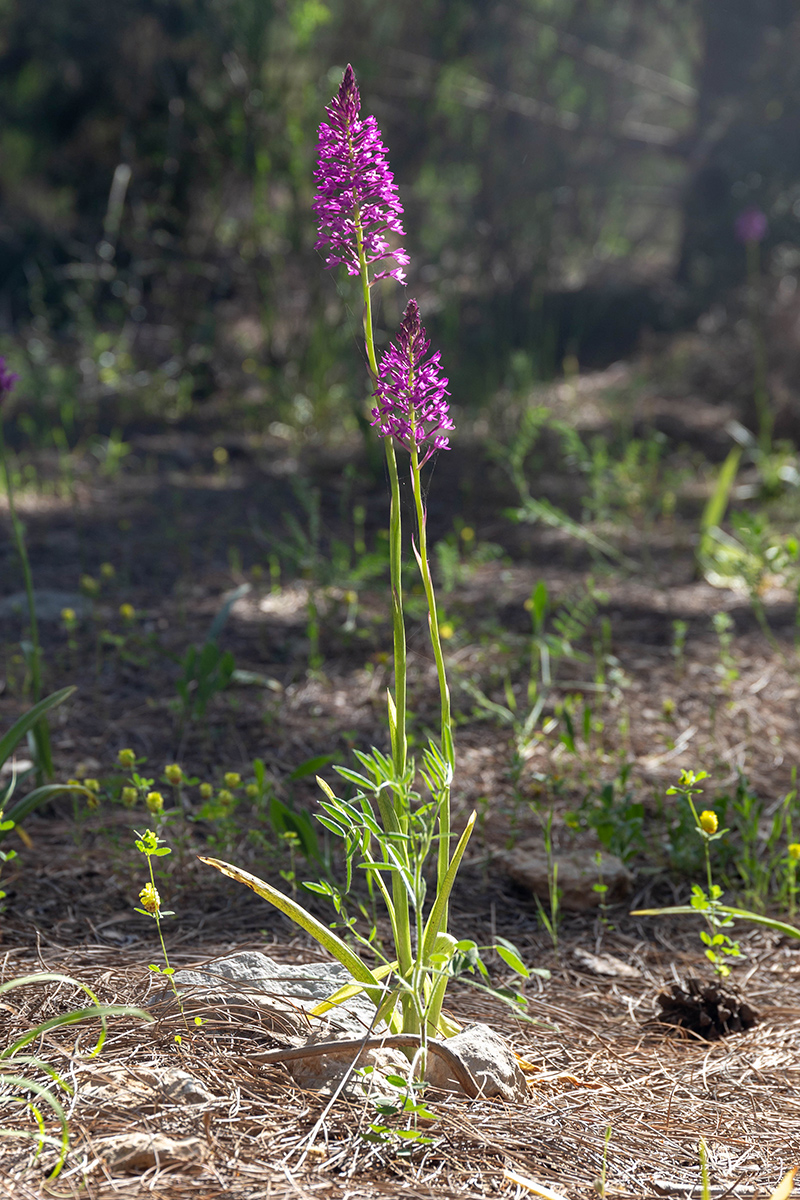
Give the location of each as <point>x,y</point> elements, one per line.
<point>7,380</point>
<point>751,225</point>
<point>356,193</point>
<point>411,391</point>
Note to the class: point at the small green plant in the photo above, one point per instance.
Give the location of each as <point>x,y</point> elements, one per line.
<point>791,861</point>
<point>409,1105</point>
<point>599,1184</point>
<point>726,667</point>
<point>600,888</point>
<point>719,946</point>
<point>534,424</point>
<point>614,815</point>
<point>19,1071</point>
<point>551,915</point>
<point>679,632</point>
<point>705,1183</point>
<point>206,669</point>
<point>151,846</point>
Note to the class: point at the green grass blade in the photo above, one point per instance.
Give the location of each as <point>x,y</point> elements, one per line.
<point>433,924</point>
<point>27,721</point>
<point>715,509</point>
<point>725,911</point>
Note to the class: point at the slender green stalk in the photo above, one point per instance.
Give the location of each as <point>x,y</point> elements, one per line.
<point>394,821</point>
<point>41,731</point>
<point>444,692</point>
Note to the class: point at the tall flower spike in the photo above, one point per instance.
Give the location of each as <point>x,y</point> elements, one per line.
<point>411,391</point>
<point>357,201</point>
<point>7,380</point>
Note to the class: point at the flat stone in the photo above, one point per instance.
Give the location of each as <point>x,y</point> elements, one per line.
<point>605,964</point>
<point>139,1151</point>
<point>284,994</point>
<point>578,872</point>
<point>489,1059</point>
<point>146,1089</point>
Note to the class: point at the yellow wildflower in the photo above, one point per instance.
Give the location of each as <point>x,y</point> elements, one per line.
<point>128,796</point>
<point>173,773</point>
<point>708,822</point>
<point>150,899</point>
<point>126,758</point>
<point>155,802</point>
<point>232,779</point>
<point>794,851</point>
<point>127,612</point>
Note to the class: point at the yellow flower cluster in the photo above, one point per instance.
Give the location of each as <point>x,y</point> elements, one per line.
<point>150,899</point>
<point>708,822</point>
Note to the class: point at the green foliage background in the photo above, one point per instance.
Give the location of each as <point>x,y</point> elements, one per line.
<point>541,146</point>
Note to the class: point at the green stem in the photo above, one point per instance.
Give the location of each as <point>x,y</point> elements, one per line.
<point>402,918</point>
<point>157,917</point>
<point>448,750</point>
<point>41,730</point>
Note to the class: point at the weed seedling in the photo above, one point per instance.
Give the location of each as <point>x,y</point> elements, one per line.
<point>151,847</point>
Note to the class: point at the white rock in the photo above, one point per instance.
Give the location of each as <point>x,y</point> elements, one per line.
<point>489,1059</point>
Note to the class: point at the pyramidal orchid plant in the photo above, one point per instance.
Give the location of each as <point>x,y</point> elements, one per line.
<point>396,817</point>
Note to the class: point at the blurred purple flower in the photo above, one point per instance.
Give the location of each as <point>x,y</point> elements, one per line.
<point>751,225</point>
<point>7,380</point>
<point>355,188</point>
<point>411,391</point>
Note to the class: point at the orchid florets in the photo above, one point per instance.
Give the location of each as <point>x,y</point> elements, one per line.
<point>357,202</point>
<point>411,391</point>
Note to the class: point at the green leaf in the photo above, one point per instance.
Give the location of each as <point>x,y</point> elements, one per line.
<point>24,807</point>
<point>725,911</point>
<point>714,511</point>
<point>512,959</point>
<point>295,912</point>
<point>27,721</point>
<point>311,766</point>
<point>436,916</point>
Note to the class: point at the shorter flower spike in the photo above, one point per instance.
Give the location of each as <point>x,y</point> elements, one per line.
<point>357,198</point>
<point>411,391</point>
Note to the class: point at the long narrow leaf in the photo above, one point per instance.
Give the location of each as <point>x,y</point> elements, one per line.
<point>24,807</point>
<point>295,912</point>
<point>433,924</point>
<point>349,990</point>
<point>44,1094</point>
<point>725,911</point>
<point>27,721</point>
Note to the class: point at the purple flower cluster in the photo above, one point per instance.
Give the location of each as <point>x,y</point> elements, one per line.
<point>411,391</point>
<point>7,380</point>
<point>355,188</point>
<point>751,225</point>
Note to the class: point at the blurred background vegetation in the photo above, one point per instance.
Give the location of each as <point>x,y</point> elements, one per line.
<point>571,172</point>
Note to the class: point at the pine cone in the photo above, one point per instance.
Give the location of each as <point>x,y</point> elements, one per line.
<point>707,1009</point>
